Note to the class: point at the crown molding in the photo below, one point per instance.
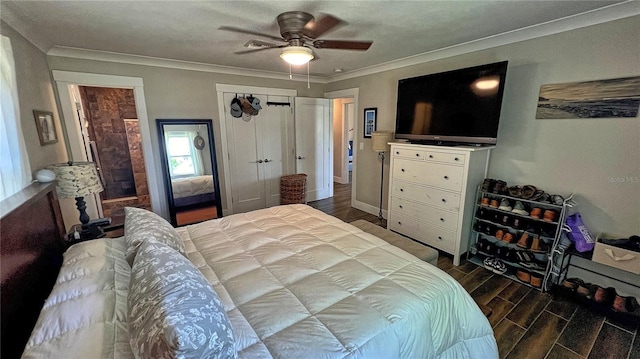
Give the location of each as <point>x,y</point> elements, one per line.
<point>97,55</point>
<point>598,16</point>
<point>16,21</point>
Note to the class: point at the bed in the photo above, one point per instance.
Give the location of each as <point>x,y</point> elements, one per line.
<point>193,190</point>
<point>288,281</point>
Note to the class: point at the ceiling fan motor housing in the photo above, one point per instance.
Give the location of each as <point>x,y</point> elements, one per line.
<point>292,24</point>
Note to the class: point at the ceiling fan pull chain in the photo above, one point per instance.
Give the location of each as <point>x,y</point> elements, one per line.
<point>290,77</point>
<point>308,85</point>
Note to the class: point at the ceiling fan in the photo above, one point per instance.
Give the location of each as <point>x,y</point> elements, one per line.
<point>299,34</point>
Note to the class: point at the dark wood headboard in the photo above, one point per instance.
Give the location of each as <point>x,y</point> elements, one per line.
<point>31,234</point>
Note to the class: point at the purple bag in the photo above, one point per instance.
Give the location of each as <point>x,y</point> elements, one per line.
<point>579,234</point>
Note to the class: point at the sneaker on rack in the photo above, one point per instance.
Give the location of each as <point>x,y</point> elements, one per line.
<point>488,263</point>
<point>505,205</point>
<point>539,246</point>
<point>499,267</point>
<point>518,208</point>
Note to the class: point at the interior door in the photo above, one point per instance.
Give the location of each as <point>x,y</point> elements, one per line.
<point>274,129</point>
<point>314,156</point>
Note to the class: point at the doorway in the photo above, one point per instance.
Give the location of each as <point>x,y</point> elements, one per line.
<point>112,141</point>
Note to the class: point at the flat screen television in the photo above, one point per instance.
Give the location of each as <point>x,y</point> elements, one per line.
<point>459,106</point>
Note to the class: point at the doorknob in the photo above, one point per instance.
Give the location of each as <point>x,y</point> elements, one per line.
<point>300,158</point>
<point>258,161</point>
<point>267,160</point>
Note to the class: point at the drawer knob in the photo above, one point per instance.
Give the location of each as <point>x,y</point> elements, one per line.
<point>457,159</point>
<point>400,206</point>
<point>444,200</point>
<point>402,170</point>
<point>446,177</point>
<point>397,152</point>
<point>440,237</point>
<point>400,223</point>
<point>417,155</point>
<point>401,189</point>
<point>442,219</point>
<point>430,156</point>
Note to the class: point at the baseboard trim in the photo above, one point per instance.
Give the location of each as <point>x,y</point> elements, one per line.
<point>368,208</point>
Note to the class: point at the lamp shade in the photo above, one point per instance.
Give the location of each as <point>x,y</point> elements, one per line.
<point>297,55</point>
<point>76,179</point>
<point>381,140</point>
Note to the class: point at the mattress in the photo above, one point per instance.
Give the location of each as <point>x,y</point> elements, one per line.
<point>297,283</point>
<point>192,186</point>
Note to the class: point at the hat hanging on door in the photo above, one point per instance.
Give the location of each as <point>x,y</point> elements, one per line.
<point>236,109</point>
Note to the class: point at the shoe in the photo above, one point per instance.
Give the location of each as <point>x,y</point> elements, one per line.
<point>515,191</point>
<point>523,275</point>
<point>557,199</point>
<point>518,208</point>
<point>487,184</point>
<point>536,212</point>
<point>505,205</point>
<point>626,305</point>
<point>511,256</point>
<point>605,295</point>
<point>586,290</point>
<point>485,201</point>
<point>508,238</point>
<point>483,213</point>
<point>517,223</point>
<point>505,220</point>
<point>488,263</point>
<point>539,246</point>
<point>499,234</point>
<point>528,191</point>
<point>572,283</point>
<point>536,195</point>
<point>494,203</point>
<point>525,241</point>
<point>499,267</point>
<point>544,198</point>
<point>536,280</point>
<point>549,215</point>
<point>499,187</point>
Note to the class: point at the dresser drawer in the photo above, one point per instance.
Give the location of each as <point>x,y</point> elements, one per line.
<point>431,196</point>
<point>423,232</point>
<point>451,158</point>
<point>412,153</point>
<point>425,213</point>
<point>431,174</point>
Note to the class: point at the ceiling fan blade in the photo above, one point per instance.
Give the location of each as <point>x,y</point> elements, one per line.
<point>260,49</point>
<point>342,44</point>
<point>244,31</point>
<point>316,28</point>
<point>258,43</point>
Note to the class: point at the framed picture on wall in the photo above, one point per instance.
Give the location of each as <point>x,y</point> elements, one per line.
<point>46,127</point>
<point>370,117</point>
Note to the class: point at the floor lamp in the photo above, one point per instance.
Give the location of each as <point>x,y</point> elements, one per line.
<point>380,144</point>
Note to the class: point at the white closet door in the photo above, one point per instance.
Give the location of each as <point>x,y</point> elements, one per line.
<point>313,145</point>
<point>273,125</point>
<point>247,187</point>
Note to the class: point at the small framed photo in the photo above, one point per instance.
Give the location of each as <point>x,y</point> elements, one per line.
<point>370,117</point>
<point>46,127</point>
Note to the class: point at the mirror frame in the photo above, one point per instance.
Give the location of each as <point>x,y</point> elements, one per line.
<point>160,123</point>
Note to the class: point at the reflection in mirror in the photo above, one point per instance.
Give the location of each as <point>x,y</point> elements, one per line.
<point>189,165</point>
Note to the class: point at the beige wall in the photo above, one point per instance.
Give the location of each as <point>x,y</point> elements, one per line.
<point>35,92</point>
<point>176,94</point>
<point>589,157</point>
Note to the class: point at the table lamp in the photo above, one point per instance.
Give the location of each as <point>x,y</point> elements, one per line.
<point>77,180</point>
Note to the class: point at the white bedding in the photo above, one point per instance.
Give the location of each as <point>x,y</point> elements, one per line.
<point>192,186</point>
<point>298,283</point>
<point>295,282</point>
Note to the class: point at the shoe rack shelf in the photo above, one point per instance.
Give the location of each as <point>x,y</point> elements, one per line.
<point>488,220</point>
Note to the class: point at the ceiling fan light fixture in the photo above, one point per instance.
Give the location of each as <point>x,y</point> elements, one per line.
<point>297,55</point>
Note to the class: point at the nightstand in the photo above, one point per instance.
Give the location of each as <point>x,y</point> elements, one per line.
<point>77,234</point>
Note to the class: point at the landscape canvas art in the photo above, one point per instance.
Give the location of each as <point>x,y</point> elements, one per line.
<point>590,99</point>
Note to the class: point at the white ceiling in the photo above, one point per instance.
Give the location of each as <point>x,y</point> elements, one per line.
<point>188,30</point>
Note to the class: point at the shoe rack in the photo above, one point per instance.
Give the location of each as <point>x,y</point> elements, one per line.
<point>521,240</point>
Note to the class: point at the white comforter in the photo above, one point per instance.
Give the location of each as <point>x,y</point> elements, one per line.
<point>298,283</point>
<point>191,186</point>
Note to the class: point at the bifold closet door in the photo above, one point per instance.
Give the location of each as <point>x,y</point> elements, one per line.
<point>257,155</point>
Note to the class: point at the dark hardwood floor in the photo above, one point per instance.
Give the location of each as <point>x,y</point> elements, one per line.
<point>526,323</point>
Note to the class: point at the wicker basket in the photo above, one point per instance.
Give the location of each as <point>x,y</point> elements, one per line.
<point>293,189</point>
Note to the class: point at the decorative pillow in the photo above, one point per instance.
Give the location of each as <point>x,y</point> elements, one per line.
<point>140,225</point>
<point>172,310</point>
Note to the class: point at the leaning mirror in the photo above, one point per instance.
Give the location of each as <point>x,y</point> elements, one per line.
<point>190,171</point>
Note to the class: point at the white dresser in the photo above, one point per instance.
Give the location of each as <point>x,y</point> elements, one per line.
<point>432,193</point>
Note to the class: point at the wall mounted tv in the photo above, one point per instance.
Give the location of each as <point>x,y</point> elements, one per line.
<point>459,106</point>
